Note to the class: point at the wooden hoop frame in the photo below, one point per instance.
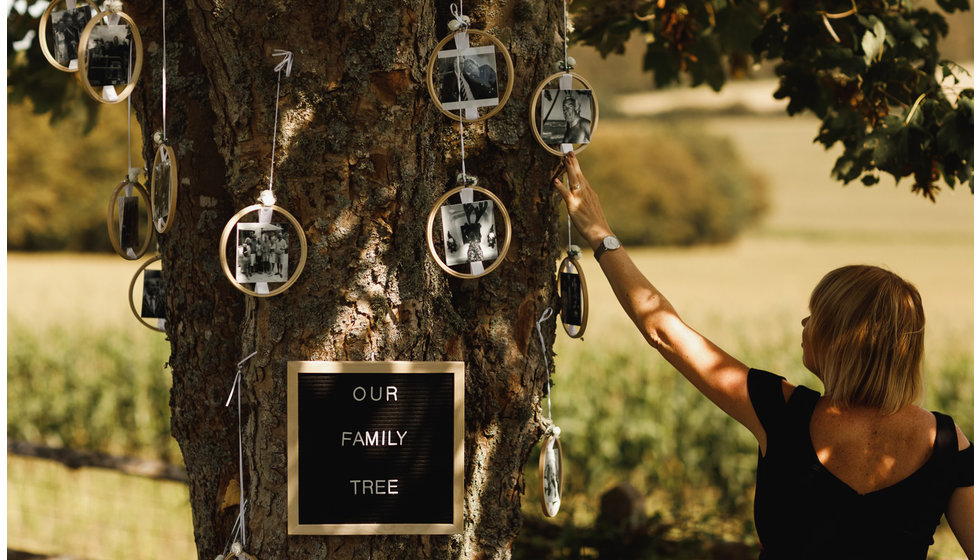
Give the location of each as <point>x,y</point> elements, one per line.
<point>110,223</point>
<point>534,108</point>
<point>173,186</point>
<point>42,35</point>
<point>500,254</point>
<point>550,442</point>
<point>242,554</point>
<point>83,58</point>
<point>575,331</point>
<point>132,284</point>
<point>223,249</point>
<point>501,49</point>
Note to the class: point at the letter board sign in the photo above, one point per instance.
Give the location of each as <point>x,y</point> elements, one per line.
<point>375,448</point>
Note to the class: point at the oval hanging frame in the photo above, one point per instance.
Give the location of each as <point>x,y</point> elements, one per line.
<point>534,109</point>
<point>110,223</point>
<point>42,35</point>
<point>137,65</point>
<point>500,48</point>
<point>550,475</point>
<point>500,254</point>
<point>568,264</point>
<point>240,556</point>
<point>132,284</point>
<point>163,224</point>
<point>223,249</point>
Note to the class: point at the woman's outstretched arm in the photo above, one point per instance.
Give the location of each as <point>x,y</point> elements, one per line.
<point>715,373</point>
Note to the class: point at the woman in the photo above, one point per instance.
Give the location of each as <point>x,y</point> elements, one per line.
<point>859,472</point>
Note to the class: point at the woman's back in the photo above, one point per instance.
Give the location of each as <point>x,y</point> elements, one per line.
<point>867,450</point>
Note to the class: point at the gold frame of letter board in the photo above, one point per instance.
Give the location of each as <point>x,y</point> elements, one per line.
<point>295,369</point>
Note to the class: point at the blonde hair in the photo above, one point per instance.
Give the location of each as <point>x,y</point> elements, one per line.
<point>868,337</point>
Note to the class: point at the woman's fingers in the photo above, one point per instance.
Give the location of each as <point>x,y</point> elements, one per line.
<point>575,176</point>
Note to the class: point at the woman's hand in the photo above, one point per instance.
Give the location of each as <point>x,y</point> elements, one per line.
<point>582,202</point>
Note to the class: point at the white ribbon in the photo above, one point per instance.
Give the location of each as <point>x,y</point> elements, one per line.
<point>241,469</point>
<point>163,85</point>
<point>286,62</point>
<point>544,353</point>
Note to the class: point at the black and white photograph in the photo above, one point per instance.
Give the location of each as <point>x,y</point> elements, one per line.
<point>551,478</point>
<point>161,187</point>
<point>128,222</point>
<point>67,26</point>
<point>468,78</point>
<point>571,299</point>
<point>154,291</point>
<point>566,116</point>
<point>109,55</point>
<point>468,232</point>
<point>262,253</point>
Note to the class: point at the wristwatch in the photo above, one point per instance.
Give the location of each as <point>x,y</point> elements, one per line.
<point>609,243</point>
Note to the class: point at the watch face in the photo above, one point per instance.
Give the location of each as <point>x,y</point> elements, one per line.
<point>611,243</point>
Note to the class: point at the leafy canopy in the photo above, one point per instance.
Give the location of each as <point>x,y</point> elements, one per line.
<point>867,69</point>
<point>870,70</point>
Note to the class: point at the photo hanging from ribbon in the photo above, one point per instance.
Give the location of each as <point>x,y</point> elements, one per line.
<point>264,243</point>
<point>61,27</point>
<point>151,295</point>
<point>551,472</point>
<point>123,213</point>
<point>468,231</point>
<point>163,175</point>
<point>464,77</point>
<point>564,112</point>
<point>573,294</point>
<point>110,55</point>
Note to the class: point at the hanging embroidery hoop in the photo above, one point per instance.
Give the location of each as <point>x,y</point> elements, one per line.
<point>111,223</point>
<point>571,265</point>
<point>132,284</point>
<point>240,555</point>
<point>500,49</point>
<point>226,234</point>
<point>137,65</point>
<point>550,475</point>
<point>167,222</point>
<point>501,253</point>
<point>42,35</point>
<point>534,117</point>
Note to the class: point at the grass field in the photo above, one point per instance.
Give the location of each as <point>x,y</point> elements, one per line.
<point>748,296</point>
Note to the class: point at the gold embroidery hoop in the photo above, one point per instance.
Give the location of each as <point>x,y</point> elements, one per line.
<point>431,221</point>
<point>132,284</point>
<point>42,35</point>
<point>568,264</point>
<point>550,442</point>
<point>110,223</point>
<point>532,113</point>
<point>223,249</point>
<point>500,49</point>
<point>171,188</point>
<point>83,58</point>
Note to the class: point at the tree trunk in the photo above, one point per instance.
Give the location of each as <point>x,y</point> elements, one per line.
<point>362,154</point>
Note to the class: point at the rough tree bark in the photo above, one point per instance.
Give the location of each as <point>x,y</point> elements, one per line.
<point>362,155</point>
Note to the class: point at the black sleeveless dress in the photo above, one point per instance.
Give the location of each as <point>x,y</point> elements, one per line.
<point>802,511</point>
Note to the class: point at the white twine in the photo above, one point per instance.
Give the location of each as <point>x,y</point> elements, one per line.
<point>287,64</point>
<point>564,8</point>
<point>241,469</point>
<point>163,86</point>
<point>544,353</point>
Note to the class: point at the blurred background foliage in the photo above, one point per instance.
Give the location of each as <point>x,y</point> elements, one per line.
<point>672,183</point>
<point>59,177</point>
